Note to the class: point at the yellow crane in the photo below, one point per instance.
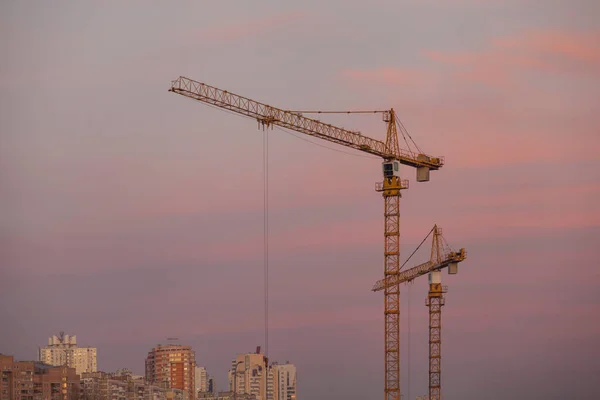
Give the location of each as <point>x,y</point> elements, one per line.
<point>441,257</point>
<point>389,151</point>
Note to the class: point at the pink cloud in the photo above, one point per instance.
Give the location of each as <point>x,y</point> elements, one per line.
<point>542,51</point>
<point>536,195</point>
<point>504,103</point>
<point>222,196</point>
<point>583,47</point>
<point>490,67</point>
<point>252,27</point>
<point>502,63</point>
<point>501,221</point>
<point>387,75</point>
<point>243,323</point>
<point>558,207</point>
<point>340,235</point>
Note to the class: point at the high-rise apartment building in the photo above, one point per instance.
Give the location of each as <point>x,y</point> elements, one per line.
<point>201,379</point>
<point>63,350</point>
<point>249,375</point>
<point>172,367</point>
<point>284,381</point>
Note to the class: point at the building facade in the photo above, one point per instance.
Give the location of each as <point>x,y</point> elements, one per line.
<point>249,375</point>
<point>62,350</point>
<point>201,379</point>
<point>31,380</point>
<point>172,367</point>
<point>284,381</point>
<point>103,386</point>
<point>225,396</point>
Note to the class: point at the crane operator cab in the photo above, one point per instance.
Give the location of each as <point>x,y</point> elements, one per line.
<point>391,169</point>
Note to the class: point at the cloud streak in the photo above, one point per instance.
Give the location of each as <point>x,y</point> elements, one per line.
<point>247,28</point>
<point>507,58</point>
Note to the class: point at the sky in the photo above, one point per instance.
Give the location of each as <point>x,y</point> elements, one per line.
<point>129,214</point>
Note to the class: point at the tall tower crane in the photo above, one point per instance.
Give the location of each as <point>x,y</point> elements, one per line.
<point>389,151</point>
<point>441,257</point>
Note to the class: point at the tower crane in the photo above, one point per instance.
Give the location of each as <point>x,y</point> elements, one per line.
<point>441,257</point>
<point>389,151</point>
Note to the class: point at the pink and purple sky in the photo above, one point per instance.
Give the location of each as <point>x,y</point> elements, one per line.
<point>130,214</point>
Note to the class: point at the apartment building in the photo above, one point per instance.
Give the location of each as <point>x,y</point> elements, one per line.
<point>62,350</point>
<point>172,367</point>
<point>103,386</point>
<point>249,375</point>
<point>284,381</point>
<point>31,380</point>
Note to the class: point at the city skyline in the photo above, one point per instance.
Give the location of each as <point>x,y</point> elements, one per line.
<point>130,215</point>
<point>164,367</point>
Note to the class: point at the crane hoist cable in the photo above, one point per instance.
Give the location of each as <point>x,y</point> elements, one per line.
<point>408,334</point>
<point>266,234</point>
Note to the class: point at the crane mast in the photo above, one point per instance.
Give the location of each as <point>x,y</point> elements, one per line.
<point>435,300</point>
<point>392,156</point>
<point>390,189</point>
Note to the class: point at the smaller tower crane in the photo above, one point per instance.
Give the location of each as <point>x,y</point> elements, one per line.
<point>441,257</point>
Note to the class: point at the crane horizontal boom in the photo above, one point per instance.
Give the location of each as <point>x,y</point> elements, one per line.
<point>421,269</point>
<point>267,116</point>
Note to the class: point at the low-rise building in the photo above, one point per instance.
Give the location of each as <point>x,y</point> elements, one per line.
<point>225,396</point>
<point>119,386</point>
<point>32,380</point>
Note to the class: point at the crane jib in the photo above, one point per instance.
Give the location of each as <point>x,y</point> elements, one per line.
<point>268,115</point>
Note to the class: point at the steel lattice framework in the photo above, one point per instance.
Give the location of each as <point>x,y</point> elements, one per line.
<point>268,115</point>
<point>389,150</point>
<point>435,301</point>
<point>391,195</point>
